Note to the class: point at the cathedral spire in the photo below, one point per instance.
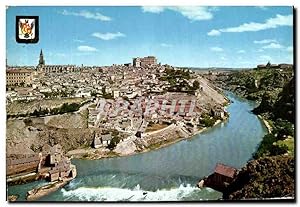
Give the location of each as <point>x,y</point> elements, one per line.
<point>41,60</point>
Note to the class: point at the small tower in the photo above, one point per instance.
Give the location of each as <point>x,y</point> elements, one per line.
<point>41,60</point>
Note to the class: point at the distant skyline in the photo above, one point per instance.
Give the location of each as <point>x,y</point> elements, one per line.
<point>181,36</point>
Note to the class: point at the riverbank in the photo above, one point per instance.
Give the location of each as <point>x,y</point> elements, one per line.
<point>266,123</point>
<point>101,153</point>
<point>168,170</point>
<point>37,193</point>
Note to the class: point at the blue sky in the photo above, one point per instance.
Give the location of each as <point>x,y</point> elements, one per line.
<point>179,36</point>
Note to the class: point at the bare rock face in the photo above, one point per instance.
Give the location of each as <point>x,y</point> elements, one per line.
<point>66,121</point>
<point>209,94</point>
<point>12,198</point>
<point>266,177</point>
<point>29,135</point>
<point>126,147</point>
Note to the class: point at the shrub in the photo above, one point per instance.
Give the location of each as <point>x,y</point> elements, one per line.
<point>207,121</point>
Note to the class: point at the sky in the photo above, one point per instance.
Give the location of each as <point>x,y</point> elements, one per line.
<point>234,37</point>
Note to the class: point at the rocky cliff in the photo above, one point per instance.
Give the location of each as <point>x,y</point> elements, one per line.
<point>268,177</point>
<point>23,136</point>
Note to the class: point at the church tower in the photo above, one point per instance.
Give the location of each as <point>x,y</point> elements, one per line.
<point>41,60</point>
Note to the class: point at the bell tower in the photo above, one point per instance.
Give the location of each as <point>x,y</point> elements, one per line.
<point>41,60</point>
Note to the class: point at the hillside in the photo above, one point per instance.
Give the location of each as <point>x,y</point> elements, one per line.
<point>271,173</point>
<point>255,83</point>
<point>268,177</point>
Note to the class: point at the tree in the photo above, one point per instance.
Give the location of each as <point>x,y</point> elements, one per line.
<point>196,85</point>
<point>207,121</point>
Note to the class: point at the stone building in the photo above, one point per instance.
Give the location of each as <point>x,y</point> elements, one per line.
<point>42,67</point>
<point>222,177</point>
<point>145,61</point>
<point>19,77</point>
<point>102,140</point>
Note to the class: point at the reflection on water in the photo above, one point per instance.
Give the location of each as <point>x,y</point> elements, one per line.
<point>170,173</point>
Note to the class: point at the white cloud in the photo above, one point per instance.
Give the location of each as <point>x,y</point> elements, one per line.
<point>241,51</point>
<point>77,40</point>
<point>290,49</point>
<point>214,33</point>
<point>278,21</point>
<point>265,41</point>
<point>166,45</point>
<point>265,58</point>
<point>194,13</point>
<point>262,7</point>
<point>153,9</point>
<point>223,58</point>
<point>61,54</point>
<point>88,15</point>
<point>56,54</point>
<point>85,48</point>
<point>108,35</point>
<point>273,46</point>
<point>216,49</point>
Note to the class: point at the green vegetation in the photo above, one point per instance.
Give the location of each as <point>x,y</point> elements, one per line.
<point>280,141</point>
<point>94,93</point>
<point>196,85</point>
<point>271,173</point>
<point>106,95</point>
<point>178,80</point>
<point>65,108</point>
<point>155,127</point>
<point>288,144</point>
<point>115,140</point>
<point>40,112</point>
<point>28,122</point>
<point>207,121</point>
<point>266,177</point>
<point>281,112</point>
<point>268,147</point>
<point>172,74</point>
<point>253,84</point>
<point>62,93</point>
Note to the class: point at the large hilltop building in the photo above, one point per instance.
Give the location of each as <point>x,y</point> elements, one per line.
<point>145,61</point>
<point>21,76</point>
<point>42,67</point>
<point>275,66</point>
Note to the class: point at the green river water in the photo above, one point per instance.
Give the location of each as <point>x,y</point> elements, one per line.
<point>167,174</point>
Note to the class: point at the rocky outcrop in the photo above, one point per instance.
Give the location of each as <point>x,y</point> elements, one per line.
<point>39,192</point>
<point>266,177</point>
<point>24,108</point>
<point>126,147</point>
<point>279,106</point>
<point>26,136</point>
<point>253,84</point>
<point>284,107</point>
<point>12,198</point>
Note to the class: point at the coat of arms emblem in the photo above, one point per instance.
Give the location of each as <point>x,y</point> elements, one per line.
<point>27,29</point>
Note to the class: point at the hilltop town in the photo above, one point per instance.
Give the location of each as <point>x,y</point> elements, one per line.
<point>59,112</point>
<point>102,111</point>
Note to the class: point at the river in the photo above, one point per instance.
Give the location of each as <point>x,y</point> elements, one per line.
<point>166,174</point>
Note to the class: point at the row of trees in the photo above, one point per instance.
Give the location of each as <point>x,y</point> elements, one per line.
<point>65,108</point>
<point>282,130</point>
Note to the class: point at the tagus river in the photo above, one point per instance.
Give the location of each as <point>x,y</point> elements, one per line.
<point>167,174</point>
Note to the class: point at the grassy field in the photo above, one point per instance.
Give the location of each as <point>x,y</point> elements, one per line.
<point>155,127</point>
<point>289,142</point>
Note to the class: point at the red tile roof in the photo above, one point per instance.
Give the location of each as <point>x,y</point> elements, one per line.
<point>225,170</point>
